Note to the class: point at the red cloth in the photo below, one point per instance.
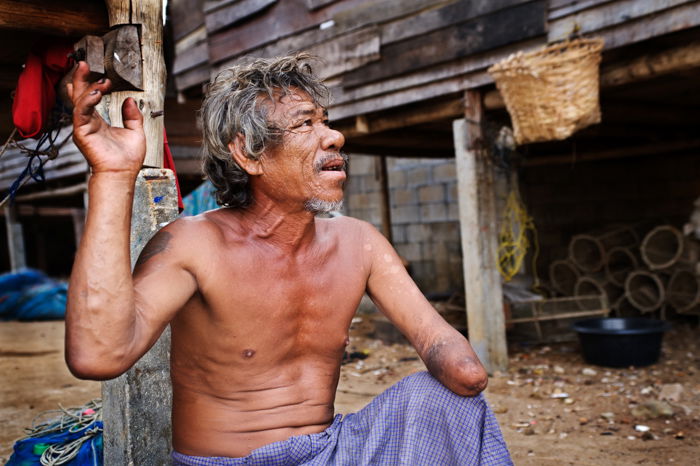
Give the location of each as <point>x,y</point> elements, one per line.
<point>35,96</point>
<point>168,162</point>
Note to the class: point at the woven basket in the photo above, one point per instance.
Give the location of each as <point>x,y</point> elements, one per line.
<point>552,92</point>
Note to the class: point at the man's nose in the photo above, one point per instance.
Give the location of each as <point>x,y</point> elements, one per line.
<point>332,139</point>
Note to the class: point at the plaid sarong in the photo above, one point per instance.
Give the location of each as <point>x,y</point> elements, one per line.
<point>415,422</point>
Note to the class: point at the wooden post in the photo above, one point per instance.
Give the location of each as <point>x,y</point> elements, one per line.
<point>148,14</point>
<point>382,177</point>
<point>15,239</point>
<point>137,405</point>
<point>477,217</point>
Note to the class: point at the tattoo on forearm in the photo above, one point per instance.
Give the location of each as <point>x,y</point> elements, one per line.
<point>156,245</point>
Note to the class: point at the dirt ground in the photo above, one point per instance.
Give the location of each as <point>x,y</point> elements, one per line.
<point>552,407</point>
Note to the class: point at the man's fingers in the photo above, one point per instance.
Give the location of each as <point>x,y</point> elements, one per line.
<point>84,104</point>
<point>80,79</point>
<point>81,84</point>
<point>69,90</point>
<point>131,116</point>
<point>84,113</point>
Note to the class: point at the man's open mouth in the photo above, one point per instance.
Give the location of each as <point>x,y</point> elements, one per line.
<point>333,166</point>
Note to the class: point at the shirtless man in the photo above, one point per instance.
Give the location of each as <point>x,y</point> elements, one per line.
<point>260,293</point>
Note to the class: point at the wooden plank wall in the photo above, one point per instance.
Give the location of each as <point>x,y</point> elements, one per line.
<point>381,54</point>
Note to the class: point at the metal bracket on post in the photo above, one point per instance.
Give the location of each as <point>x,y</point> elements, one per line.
<point>116,55</point>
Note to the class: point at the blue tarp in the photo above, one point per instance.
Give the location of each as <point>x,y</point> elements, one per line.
<point>200,200</point>
<point>31,295</point>
<point>27,452</point>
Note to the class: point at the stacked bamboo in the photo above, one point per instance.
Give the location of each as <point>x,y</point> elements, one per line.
<point>636,273</point>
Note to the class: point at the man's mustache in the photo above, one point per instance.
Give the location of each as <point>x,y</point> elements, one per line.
<point>318,166</point>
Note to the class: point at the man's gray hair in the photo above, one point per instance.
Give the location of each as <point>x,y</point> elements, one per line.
<point>233,105</point>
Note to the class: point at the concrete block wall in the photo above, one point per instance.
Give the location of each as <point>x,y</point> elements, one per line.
<point>424,214</point>
<point>563,199</point>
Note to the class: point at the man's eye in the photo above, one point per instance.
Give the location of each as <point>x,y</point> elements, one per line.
<point>308,123</point>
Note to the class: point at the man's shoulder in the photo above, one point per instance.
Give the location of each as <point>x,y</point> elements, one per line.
<point>202,228</point>
<point>343,221</point>
<point>343,224</point>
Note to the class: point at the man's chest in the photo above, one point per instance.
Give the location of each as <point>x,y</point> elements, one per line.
<point>322,289</point>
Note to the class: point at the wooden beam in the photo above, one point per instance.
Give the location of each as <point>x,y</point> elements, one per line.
<point>607,15</point>
<point>15,239</point>
<point>679,59</point>
<point>382,177</point>
<point>185,17</point>
<point>228,14</point>
<point>151,100</point>
<point>430,90</point>
<point>631,26</point>
<point>505,26</point>
<point>559,9</point>
<point>452,13</point>
<point>404,117</point>
<point>417,81</point>
<point>51,193</point>
<point>624,152</point>
<point>45,211</point>
<point>64,18</point>
<point>477,218</point>
<point>266,28</point>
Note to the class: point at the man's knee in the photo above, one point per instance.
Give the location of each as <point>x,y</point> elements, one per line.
<point>427,393</point>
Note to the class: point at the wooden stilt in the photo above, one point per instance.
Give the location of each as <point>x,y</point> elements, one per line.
<point>477,215</point>
<point>137,404</point>
<point>381,171</point>
<point>15,239</point>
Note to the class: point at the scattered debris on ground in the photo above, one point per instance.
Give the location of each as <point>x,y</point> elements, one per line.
<point>553,408</point>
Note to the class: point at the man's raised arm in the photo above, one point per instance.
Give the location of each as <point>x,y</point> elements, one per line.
<point>447,354</point>
<point>109,324</point>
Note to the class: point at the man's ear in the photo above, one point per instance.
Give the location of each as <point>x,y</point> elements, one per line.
<point>237,149</point>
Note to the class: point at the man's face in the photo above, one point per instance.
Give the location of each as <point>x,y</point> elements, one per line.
<point>306,166</point>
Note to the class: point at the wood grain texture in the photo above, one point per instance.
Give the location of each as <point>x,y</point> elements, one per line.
<point>185,16</point>
<point>65,18</point>
<point>347,52</point>
<point>280,20</point>
<point>444,16</point>
<point>190,58</point>
<point>192,77</point>
<point>316,4</point>
<point>451,69</point>
<point>411,116</point>
<point>122,58</point>
<point>664,22</point>
<point>231,13</point>
<point>410,95</point>
<point>675,60</point>
<point>560,9</point>
<point>506,26</point>
<point>477,218</point>
<point>607,15</point>
<point>147,13</point>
